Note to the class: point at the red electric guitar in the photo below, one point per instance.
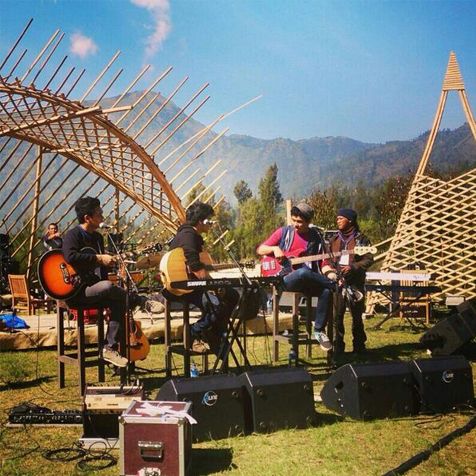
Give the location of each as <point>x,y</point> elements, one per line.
<point>271,266</point>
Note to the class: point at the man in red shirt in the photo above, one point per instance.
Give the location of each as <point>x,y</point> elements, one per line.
<point>303,239</point>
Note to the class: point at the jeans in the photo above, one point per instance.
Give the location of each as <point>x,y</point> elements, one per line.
<point>306,281</point>
<point>106,294</point>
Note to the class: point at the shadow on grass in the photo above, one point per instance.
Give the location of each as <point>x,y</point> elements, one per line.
<point>210,460</point>
<point>26,384</point>
<point>328,418</point>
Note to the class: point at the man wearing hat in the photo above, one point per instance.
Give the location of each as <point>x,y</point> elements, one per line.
<point>303,239</point>
<point>350,269</point>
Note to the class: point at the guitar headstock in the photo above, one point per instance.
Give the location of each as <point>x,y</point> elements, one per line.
<point>154,248</point>
<point>249,264</point>
<point>363,250</point>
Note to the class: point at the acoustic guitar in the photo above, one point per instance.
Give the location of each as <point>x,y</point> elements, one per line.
<point>271,266</point>
<point>60,280</point>
<point>173,267</point>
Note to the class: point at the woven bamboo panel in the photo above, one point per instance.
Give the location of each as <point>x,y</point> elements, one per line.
<point>437,225</point>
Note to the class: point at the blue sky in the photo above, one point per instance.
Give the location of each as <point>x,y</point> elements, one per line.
<point>370,70</point>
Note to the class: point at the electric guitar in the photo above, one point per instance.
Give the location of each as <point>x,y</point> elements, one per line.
<point>173,267</point>
<point>271,266</point>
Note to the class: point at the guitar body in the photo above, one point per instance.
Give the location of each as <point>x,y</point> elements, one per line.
<point>139,346</point>
<point>271,266</point>
<point>173,267</point>
<point>58,279</point>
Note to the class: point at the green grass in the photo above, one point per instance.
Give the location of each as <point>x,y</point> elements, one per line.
<point>337,446</point>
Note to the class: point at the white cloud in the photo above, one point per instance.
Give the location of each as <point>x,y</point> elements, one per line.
<point>82,46</point>
<point>159,10</point>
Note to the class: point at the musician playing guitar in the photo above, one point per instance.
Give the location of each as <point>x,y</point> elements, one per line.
<point>216,308</point>
<point>92,268</point>
<point>351,268</point>
<point>302,239</point>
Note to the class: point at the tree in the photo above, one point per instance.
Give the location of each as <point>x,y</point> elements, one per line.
<point>270,199</point>
<point>242,192</point>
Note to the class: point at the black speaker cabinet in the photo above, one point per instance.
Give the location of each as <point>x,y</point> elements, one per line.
<point>448,335</point>
<point>278,398</point>
<point>443,382</point>
<point>467,312</point>
<point>368,391</point>
<point>217,404</point>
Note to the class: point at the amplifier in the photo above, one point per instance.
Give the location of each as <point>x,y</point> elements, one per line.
<point>103,406</point>
<point>102,398</point>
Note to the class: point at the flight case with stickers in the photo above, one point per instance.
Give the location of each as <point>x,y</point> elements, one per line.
<point>155,438</point>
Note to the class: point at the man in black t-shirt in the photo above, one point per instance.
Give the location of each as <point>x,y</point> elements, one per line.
<point>216,308</point>
<point>92,267</point>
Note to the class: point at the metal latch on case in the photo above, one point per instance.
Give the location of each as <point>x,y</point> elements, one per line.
<point>151,450</point>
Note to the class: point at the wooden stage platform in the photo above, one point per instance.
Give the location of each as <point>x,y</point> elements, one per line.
<point>42,331</point>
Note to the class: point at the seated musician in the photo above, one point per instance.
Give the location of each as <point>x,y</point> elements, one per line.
<point>351,270</point>
<point>301,239</point>
<point>216,308</point>
<point>92,268</point>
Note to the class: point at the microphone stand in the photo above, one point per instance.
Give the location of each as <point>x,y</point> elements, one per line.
<point>130,286</point>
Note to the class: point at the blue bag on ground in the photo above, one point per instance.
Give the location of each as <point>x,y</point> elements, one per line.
<point>12,321</point>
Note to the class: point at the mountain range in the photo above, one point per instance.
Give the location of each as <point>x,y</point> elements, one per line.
<point>306,164</point>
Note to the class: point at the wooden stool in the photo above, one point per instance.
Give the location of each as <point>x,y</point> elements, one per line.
<point>296,339</point>
<point>183,348</point>
<point>81,356</point>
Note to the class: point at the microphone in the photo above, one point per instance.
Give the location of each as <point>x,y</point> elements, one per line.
<point>209,222</point>
<point>105,226</point>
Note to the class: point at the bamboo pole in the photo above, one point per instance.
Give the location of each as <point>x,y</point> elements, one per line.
<point>34,211</point>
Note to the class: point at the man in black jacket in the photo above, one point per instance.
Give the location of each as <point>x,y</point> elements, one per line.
<point>351,270</point>
<point>91,264</point>
<point>216,308</point>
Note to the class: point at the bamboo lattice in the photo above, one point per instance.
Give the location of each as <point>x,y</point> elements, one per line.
<point>436,227</point>
<point>54,149</point>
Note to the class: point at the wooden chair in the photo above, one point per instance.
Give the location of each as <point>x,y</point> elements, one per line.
<point>296,338</point>
<point>21,297</point>
<point>411,304</point>
<point>183,348</point>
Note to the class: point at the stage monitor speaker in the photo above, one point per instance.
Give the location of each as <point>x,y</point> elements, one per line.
<point>278,398</point>
<point>467,311</point>
<point>217,404</point>
<point>449,334</point>
<point>373,390</point>
<point>443,383</point>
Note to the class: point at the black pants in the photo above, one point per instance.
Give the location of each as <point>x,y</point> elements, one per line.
<point>106,294</point>
<point>216,309</point>
<point>358,332</point>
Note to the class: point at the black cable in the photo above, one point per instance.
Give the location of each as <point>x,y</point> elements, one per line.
<point>425,454</point>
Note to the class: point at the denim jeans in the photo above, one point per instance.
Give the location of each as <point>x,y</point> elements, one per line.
<point>106,294</point>
<point>306,281</point>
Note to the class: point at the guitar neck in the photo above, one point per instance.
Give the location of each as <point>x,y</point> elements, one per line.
<point>218,267</point>
<point>306,259</point>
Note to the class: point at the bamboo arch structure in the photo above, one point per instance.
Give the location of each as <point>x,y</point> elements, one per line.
<point>436,227</point>
<point>53,149</point>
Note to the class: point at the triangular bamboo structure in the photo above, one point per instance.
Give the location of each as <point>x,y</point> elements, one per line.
<point>437,224</point>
